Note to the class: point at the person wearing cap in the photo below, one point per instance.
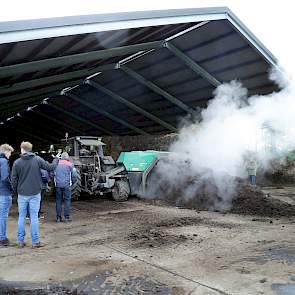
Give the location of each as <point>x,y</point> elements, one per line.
<point>5,191</point>
<point>64,177</point>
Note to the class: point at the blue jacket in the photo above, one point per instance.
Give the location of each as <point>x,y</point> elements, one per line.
<point>5,185</point>
<point>64,174</point>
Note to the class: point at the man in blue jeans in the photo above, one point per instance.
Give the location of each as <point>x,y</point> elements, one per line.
<point>252,171</point>
<point>5,191</point>
<point>65,176</point>
<point>26,181</point>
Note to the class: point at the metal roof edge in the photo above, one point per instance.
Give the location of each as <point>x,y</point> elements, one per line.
<point>23,30</point>
<point>58,27</point>
<point>243,29</point>
<point>32,24</point>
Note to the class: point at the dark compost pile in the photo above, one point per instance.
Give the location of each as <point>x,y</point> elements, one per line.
<point>235,195</point>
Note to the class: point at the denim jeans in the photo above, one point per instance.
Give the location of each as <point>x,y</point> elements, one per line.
<point>40,208</point>
<point>63,194</point>
<point>5,204</point>
<point>252,179</point>
<point>31,203</point>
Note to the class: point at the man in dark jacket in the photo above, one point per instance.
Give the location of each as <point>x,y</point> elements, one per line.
<point>5,191</point>
<point>65,176</point>
<point>27,182</point>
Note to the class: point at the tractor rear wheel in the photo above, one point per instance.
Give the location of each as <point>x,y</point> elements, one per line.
<point>76,188</point>
<point>121,190</point>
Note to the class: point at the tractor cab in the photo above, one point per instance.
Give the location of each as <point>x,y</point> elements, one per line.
<point>88,151</point>
<point>83,146</point>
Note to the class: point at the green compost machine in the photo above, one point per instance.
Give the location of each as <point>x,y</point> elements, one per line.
<point>139,166</point>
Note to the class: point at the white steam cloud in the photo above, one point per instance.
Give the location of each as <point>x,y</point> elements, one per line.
<point>233,126</point>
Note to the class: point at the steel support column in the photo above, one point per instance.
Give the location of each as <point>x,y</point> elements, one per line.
<point>192,64</point>
<point>157,89</point>
<point>131,105</point>
<point>103,112</point>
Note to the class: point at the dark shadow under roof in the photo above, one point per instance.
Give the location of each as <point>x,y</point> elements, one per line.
<point>137,73</point>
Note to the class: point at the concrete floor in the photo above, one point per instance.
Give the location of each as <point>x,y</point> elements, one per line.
<point>140,247</point>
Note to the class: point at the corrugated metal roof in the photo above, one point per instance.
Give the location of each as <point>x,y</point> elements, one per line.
<point>153,69</point>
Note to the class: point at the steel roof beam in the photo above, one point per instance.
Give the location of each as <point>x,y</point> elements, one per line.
<point>103,112</point>
<point>20,130</point>
<point>43,91</point>
<point>8,113</point>
<point>80,74</point>
<point>157,89</point>
<point>187,30</point>
<point>77,131</point>
<point>131,105</point>
<point>78,58</point>
<point>45,134</point>
<point>76,117</point>
<point>16,31</point>
<point>20,108</point>
<point>167,59</point>
<point>8,107</point>
<point>42,126</point>
<point>192,64</point>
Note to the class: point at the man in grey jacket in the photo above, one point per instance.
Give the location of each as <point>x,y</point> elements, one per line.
<point>26,181</point>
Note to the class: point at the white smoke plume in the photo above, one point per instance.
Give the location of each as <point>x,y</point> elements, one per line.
<point>233,126</point>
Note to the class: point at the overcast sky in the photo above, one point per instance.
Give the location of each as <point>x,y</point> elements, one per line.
<point>273,22</point>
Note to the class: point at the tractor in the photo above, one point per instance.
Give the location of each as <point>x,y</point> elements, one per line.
<point>99,174</point>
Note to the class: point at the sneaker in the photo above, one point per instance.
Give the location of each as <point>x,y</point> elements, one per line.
<point>4,243</point>
<point>41,216</point>
<point>58,219</point>
<point>67,220</point>
<point>21,245</point>
<point>38,245</point>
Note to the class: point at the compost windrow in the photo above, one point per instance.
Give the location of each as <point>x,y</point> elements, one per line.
<point>204,195</point>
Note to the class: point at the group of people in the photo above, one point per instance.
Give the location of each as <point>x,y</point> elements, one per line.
<point>27,180</point>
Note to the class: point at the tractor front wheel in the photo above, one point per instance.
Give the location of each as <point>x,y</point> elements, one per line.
<point>121,190</point>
